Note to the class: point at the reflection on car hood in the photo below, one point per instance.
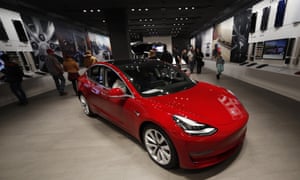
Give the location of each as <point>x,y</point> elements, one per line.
<point>204,102</point>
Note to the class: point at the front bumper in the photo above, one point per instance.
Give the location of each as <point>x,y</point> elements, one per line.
<point>200,152</point>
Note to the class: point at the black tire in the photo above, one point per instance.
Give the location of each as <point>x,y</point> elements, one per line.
<point>85,106</point>
<point>159,147</point>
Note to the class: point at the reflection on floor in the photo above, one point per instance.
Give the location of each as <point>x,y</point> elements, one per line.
<point>52,139</point>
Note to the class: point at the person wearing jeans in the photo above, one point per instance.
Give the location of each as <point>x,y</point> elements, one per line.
<point>56,70</point>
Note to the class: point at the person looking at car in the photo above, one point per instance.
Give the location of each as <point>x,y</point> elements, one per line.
<point>71,66</point>
<point>89,59</point>
<point>166,56</point>
<point>56,70</point>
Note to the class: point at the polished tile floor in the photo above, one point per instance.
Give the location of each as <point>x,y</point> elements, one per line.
<point>51,139</point>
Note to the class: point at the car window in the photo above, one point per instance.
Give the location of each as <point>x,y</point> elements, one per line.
<point>112,80</point>
<point>94,73</point>
<point>154,79</point>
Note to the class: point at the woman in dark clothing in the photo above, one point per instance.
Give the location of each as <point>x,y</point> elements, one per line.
<point>14,76</point>
<point>199,60</point>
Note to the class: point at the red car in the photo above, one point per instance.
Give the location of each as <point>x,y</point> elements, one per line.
<point>180,122</point>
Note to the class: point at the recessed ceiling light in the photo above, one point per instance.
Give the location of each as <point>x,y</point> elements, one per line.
<point>193,8</point>
<point>186,8</point>
<point>140,20</point>
<point>91,10</point>
<point>186,18</point>
<point>132,9</point>
<point>84,10</point>
<point>150,19</point>
<point>104,21</point>
<point>179,9</point>
<point>145,20</point>
<point>139,9</point>
<point>181,19</point>
<point>176,19</point>
<point>146,9</point>
<point>98,10</point>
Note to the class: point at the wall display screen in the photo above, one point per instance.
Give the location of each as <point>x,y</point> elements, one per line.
<point>280,13</point>
<point>20,30</point>
<point>265,18</point>
<point>253,22</point>
<point>275,49</point>
<point>3,34</point>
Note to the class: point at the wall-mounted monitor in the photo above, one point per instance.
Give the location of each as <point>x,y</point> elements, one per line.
<point>253,22</point>
<point>280,13</point>
<point>275,49</point>
<point>3,33</point>
<point>20,30</point>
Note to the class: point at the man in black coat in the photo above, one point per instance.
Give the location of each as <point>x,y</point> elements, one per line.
<point>14,76</point>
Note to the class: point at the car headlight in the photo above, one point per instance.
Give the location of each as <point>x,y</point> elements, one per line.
<point>192,127</point>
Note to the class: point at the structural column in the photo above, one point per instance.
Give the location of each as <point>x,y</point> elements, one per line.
<point>117,23</point>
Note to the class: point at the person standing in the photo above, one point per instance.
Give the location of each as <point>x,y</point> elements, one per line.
<point>220,65</point>
<point>191,59</point>
<point>89,59</point>
<point>71,66</point>
<point>166,56</point>
<point>199,60</point>
<point>14,76</point>
<point>56,70</point>
<point>177,57</point>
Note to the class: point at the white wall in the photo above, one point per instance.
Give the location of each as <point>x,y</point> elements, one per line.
<point>13,44</point>
<point>162,39</point>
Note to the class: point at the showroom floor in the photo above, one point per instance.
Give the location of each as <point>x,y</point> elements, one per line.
<point>51,139</point>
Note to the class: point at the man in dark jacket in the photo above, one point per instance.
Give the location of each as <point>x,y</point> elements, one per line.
<point>166,56</point>
<point>14,76</point>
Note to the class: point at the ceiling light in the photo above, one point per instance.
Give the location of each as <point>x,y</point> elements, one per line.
<point>140,20</point>
<point>186,18</point>
<point>193,8</point>
<point>150,19</point>
<point>145,20</point>
<point>104,21</point>
<point>179,9</point>
<point>181,19</point>
<point>186,8</point>
<point>91,10</point>
<point>146,9</point>
<point>98,10</point>
<point>139,9</point>
<point>84,10</point>
<point>176,19</point>
<point>132,9</point>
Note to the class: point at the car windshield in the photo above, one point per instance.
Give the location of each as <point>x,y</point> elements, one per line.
<point>155,78</point>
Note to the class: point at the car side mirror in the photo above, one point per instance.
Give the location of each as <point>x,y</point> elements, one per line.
<point>116,92</point>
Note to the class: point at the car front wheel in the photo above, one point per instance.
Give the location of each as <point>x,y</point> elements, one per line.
<point>85,106</point>
<point>159,147</point>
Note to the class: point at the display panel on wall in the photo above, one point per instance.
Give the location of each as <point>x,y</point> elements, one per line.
<point>253,22</point>
<point>265,18</point>
<point>275,49</point>
<point>42,37</point>
<point>280,13</point>
<point>100,46</point>
<point>20,30</point>
<point>3,33</point>
<point>240,34</point>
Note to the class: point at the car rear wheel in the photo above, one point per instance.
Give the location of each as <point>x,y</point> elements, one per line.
<point>85,106</point>
<point>159,147</point>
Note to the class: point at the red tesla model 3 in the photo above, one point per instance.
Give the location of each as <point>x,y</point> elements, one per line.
<point>180,122</point>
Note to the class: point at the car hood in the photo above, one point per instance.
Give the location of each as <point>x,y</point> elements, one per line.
<point>204,103</point>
